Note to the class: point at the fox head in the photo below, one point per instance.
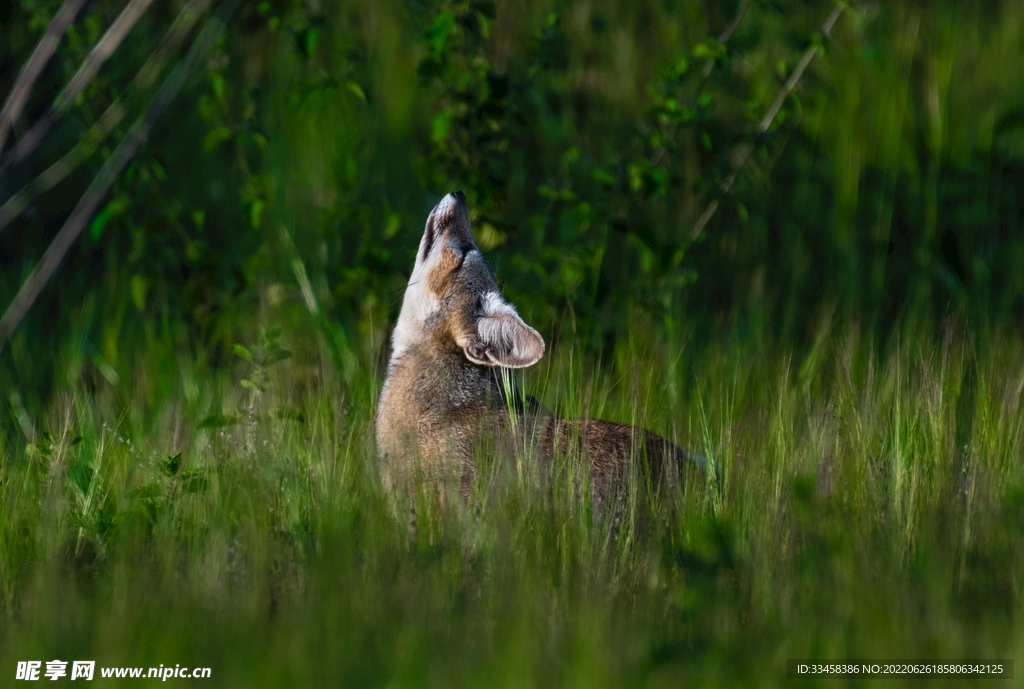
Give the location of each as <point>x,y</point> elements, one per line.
<point>452,300</point>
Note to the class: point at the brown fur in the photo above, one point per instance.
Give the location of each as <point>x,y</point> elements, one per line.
<point>433,407</point>
<point>443,388</point>
<point>608,448</point>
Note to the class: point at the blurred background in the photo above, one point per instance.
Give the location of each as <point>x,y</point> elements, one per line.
<point>187,465</point>
<point>296,168</point>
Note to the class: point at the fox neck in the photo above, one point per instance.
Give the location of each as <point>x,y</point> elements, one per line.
<point>418,303</point>
<point>446,378</point>
<point>417,306</point>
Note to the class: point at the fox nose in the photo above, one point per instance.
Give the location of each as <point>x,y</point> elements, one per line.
<point>459,196</point>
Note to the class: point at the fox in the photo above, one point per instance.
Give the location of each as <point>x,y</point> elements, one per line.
<point>444,386</point>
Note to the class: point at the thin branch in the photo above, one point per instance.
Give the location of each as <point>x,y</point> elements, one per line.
<point>103,49</point>
<point>109,173</point>
<point>742,153</point>
<point>826,29</point>
<point>30,72</point>
<point>110,119</point>
<point>705,73</point>
<point>724,37</point>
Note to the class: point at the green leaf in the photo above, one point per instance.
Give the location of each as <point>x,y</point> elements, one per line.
<point>603,177</point>
<point>636,176</point>
<point>547,191</point>
<point>438,31</point>
<point>149,490</point>
<point>270,335</point>
<point>657,178</point>
<point>256,213</point>
<point>139,286</point>
<point>276,355</point>
<point>392,224</point>
<point>112,210</point>
<point>171,465</point>
<point>196,250</point>
<point>217,85</point>
<point>356,89</point>
<point>290,414</point>
<point>489,236</point>
<point>307,40</point>
<point>441,125</point>
<point>485,24</point>
<point>243,352</point>
<point>38,450</point>
<point>216,137</point>
<point>710,48</point>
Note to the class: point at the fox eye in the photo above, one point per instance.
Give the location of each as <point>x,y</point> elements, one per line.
<point>461,252</point>
<point>429,235</point>
<point>459,260</point>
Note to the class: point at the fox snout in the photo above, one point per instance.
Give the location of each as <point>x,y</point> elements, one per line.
<point>449,223</point>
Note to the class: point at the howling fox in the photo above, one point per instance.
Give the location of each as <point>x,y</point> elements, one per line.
<point>444,386</point>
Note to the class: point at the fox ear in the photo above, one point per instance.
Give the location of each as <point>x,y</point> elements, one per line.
<point>504,340</point>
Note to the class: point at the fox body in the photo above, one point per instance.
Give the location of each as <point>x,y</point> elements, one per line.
<point>444,387</point>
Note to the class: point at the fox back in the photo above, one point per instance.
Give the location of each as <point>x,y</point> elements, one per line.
<point>444,387</point>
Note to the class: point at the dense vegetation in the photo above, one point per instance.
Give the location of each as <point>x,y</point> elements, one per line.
<point>842,340</point>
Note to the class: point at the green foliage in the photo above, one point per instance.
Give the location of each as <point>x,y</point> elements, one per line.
<point>589,139</point>
<point>483,133</point>
<point>268,354</point>
<point>870,506</point>
<point>165,458</point>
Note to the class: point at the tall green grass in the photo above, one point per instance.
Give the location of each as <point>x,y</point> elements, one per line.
<point>871,504</point>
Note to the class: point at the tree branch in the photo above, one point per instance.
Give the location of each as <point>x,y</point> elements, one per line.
<point>109,173</point>
<point>705,72</point>
<point>742,153</point>
<point>104,48</point>
<point>32,68</point>
<point>52,176</point>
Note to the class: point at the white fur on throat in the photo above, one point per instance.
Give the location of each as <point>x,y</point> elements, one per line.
<point>419,304</point>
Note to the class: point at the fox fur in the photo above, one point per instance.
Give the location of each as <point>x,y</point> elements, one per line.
<point>444,386</point>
